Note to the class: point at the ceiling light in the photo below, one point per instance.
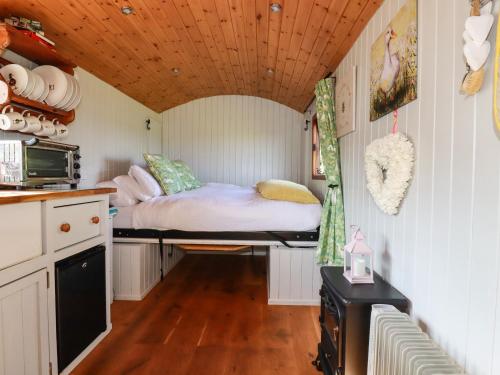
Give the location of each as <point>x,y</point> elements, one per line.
<point>127,10</point>
<point>275,7</point>
<point>175,71</point>
<point>270,71</point>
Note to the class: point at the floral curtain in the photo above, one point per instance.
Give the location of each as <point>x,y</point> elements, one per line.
<point>332,231</point>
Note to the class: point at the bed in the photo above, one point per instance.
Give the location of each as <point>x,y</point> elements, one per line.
<point>219,208</point>
<point>222,214</point>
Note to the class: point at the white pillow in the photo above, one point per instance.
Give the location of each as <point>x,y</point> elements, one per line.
<point>121,198</point>
<point>148,183</point>
<point>128,183</point>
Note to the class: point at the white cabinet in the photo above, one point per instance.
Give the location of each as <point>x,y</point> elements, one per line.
<point>20,233</point>
<point>34,236</point>
<point>24,338</point>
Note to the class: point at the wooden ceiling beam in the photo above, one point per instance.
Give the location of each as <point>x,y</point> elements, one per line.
<point>236,61</point>
<point>313,70</point>
<point>237,19</point>
<point>299,29</point>
<point>262,19</point>
<point>289,15</point>
<point>318,15</point>
<point>250,26</point>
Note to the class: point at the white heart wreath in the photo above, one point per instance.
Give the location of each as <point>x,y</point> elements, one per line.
<point>388,166</point>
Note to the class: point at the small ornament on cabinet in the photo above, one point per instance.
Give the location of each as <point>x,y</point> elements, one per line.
<point>358,259</point>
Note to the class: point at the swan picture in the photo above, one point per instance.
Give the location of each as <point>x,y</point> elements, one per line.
<point>391,64</point>
<point>394,63</point>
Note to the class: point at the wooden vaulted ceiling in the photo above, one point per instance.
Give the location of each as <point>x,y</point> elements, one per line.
<point>220,46</point>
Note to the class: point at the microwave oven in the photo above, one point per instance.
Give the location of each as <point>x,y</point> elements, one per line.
<point>38,162</point>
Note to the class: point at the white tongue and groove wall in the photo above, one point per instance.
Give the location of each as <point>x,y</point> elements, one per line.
<point>235,139</point>
<point>443,248</point>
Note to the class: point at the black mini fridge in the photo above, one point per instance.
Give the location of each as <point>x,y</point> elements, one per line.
<point>80,302</point>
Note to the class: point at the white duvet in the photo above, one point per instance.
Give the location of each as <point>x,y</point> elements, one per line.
<point>221,207</point>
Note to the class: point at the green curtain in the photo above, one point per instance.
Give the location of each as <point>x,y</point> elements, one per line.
<point>332,232</point>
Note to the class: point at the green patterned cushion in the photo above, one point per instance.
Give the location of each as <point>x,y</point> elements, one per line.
<point>165,173</point>
<point>189,181</point>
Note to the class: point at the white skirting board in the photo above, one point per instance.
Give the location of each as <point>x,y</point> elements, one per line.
<point>293,277</point>
<point>136,268</point>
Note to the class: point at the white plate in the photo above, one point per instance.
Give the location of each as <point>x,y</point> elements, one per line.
<point>45,92</point>
<point>78,97</point>
<point>16,74</point>
<point>75,96</point>
<point>31,84</point>
<point>56,81</point>
<point>39,88</point>
<point>69,92</point>
<point>76,91</point>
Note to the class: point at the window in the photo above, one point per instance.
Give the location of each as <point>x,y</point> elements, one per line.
<point>318,172</point>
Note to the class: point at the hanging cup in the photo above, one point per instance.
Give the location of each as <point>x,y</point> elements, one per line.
<point>48,128</point>
<point>32,123</point>
<point>11,120</point>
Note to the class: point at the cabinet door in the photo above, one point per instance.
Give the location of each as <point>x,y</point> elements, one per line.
<point>24,339</point>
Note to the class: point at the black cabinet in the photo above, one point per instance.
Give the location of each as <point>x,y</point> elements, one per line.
<point>80,302</point>
<point>345,320</point>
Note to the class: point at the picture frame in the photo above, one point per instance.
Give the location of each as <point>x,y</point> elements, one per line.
<point>345,102</point>
<point>393,76</point>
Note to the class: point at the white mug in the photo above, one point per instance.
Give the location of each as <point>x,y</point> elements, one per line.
<point>48,127</point>
<point>32,125</point>
<point>11,120</point>
<point>61,131</point>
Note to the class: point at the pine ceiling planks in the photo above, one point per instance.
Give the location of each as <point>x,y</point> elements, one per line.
<point>220,46</point>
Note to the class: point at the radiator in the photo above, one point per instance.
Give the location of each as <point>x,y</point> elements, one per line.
<point>399,347</point>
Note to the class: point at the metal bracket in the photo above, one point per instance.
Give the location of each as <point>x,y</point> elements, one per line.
<point>160,240</point>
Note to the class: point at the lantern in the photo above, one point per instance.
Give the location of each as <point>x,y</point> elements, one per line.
<point>358,259</point>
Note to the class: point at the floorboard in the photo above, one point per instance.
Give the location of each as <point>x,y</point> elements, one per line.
<point>209,316</point>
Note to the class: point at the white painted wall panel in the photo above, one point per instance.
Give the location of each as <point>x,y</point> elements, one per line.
<point>293,276</point>
<point>109,127</point>
<point>443,249</point>
<point>136,268</point>
<point>235,139</point>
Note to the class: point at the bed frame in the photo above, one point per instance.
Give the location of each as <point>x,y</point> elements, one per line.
<point>302,240</point>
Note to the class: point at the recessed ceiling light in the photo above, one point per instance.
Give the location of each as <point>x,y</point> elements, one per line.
<point>127,10</point>
<point>276,7</point>
<point>175,71</point>
<point>270,71</point>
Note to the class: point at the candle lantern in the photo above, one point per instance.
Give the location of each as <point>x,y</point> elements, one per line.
<point>358,259</point>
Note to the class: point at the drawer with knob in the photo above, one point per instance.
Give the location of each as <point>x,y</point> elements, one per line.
<point>69,224</point>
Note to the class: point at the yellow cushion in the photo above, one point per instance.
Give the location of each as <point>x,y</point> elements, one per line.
<point>286,191</point>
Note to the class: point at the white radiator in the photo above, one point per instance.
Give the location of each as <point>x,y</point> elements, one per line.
<point>399,347</point>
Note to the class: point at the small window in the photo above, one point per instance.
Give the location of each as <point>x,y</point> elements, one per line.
<point>318,172</point>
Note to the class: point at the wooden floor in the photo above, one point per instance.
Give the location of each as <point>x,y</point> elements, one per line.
<point>209,316</point>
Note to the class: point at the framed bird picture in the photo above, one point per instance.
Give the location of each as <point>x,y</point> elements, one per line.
<point>393,81</point>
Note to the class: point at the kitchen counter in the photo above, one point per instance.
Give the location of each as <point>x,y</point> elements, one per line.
<point>19,196</point>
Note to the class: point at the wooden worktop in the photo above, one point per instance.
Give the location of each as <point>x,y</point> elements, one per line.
<point>15,196</point>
